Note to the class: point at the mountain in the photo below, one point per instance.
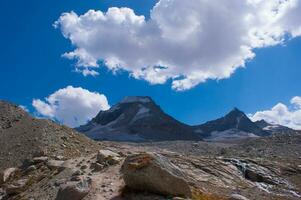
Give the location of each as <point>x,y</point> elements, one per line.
<point>137,118</point>
<point>40,159</point>
<point>234,125</point>
<point>274,128</point>
<point>23,137</point>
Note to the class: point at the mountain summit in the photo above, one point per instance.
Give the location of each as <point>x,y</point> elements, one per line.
<point>233,125</point>
<point>137,118</point>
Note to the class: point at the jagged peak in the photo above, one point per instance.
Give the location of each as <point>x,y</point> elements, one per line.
<point>235,111</point>
<point>134,99</point>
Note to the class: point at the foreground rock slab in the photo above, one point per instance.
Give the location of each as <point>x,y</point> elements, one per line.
<point>154,173</point>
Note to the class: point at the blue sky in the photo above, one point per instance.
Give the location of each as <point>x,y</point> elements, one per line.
<point>32,66</point>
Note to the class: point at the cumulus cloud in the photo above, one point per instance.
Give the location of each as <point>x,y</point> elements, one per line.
<point>282,114</point>
<point>24,108</point>
<point>188,42</point>
<point>71,106</point>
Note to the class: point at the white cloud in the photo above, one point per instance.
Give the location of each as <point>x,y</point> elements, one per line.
<point>24,108</point>
<point>185,41</point>
<point>71,106</point>
<point>289,116</point>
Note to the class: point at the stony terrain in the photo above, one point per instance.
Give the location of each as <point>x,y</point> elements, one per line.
<point>43,160</point>
<point>23,137</point>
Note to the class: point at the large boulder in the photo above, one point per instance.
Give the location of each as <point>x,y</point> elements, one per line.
<point>73,190</point>
<point>154,173</point>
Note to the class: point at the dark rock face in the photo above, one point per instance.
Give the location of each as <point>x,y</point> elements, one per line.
<point>137,119</point>
<point>236,121</point>
<point>154,173</point>
<point>274,128</point>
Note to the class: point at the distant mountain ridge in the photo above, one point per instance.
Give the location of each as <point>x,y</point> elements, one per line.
<point>274,128</point>
<point>139,118</point>
<point>233,125</point>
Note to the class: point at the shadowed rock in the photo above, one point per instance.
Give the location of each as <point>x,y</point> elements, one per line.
<point>73,190</point>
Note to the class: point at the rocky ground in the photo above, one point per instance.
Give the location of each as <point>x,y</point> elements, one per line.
<point>42,160</point>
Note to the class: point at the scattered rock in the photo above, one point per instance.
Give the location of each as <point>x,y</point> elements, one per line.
<point>96,167</point>
<point>59,182</point>
<point>76,178</point>
<point>56,165</point>
<point>6,174</point>
<point>59,157</point>
<point>30,169</point>
<point>73,190</point>
<point>16,187</point>
<point>42,159</point>
<point>84,167</point>
<point>76,173</point>
<point>108,157</point>
<point>154,173</point>
<point>237,197</point>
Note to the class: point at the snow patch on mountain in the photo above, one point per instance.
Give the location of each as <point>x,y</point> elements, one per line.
<point>142,113</point>
<point>271,127</point>
<point>229,134</point>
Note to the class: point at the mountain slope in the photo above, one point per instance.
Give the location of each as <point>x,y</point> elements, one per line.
<point>274,128</point>
<point>137,119</point>
<point>23,137</point>
<point>233,125</point>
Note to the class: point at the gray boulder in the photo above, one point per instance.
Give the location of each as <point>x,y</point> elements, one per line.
<point>73,190</point>
<point>6,174</point>
<point>41,159</point>
<point>56,165</point>
<point>154,173</point>
<point>16,187</point>
<point>108,157</point>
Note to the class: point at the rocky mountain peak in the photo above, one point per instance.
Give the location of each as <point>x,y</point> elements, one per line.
<point>235,124</point>
<point>262,123</point>
<point>137,99</point>
<point>137,118</point>
<point>235,112</point>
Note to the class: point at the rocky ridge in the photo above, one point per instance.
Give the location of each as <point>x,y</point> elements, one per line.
<point>137,119</point>
<point>140,119</point>
<point>233,125</point>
